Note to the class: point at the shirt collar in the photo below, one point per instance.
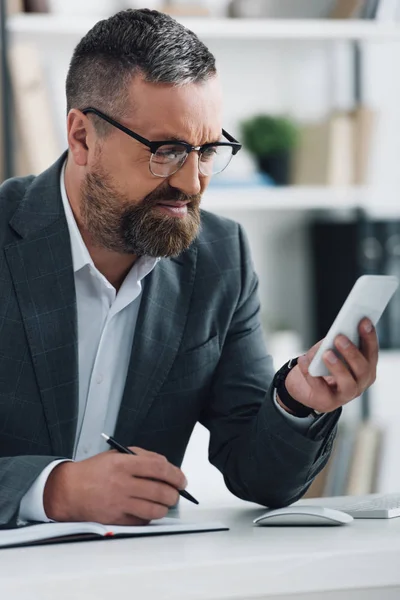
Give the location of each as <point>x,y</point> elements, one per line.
<point>80,253</point>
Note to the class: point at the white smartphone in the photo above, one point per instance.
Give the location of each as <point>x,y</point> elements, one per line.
<point>368,298</point>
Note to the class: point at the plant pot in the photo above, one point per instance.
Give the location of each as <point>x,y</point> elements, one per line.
<point>277,166</point>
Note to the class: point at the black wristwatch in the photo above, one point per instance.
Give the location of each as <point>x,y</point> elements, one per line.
<point>299,410</point>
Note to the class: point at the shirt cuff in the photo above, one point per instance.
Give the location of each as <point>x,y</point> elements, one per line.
<point>299,423</point>
<point>31,507</point>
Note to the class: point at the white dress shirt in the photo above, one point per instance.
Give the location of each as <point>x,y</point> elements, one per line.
<point>106,325</point>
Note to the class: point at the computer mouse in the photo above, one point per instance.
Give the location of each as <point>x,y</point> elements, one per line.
<point>303,515</point>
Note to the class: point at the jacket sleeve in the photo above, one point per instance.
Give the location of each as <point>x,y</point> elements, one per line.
<point>262,457</point>
<point>17,474</point>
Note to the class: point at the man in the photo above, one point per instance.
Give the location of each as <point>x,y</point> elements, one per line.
<point>126,310</point>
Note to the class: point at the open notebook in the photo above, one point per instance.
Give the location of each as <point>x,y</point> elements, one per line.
<point>47,533</point>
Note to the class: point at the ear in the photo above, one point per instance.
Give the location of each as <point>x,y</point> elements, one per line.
<point>81,136</point>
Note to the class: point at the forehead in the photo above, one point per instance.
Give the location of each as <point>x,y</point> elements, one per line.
<point>189,112</point>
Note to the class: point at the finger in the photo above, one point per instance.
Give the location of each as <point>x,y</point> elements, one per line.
<point>144,509</point>
<point>313,351</point>
<point>155,491</point>
<point>347,387</point>
<point>356,361</point>
<point>162,458</point>
<point>317,384</point>
<point>369,342</point>
<point>157,467</point>
<point>130,520</point>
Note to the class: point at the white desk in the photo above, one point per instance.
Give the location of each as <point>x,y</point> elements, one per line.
<point>353,562</point>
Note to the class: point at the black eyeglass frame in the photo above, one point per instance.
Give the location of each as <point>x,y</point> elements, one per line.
<point>154,146</point>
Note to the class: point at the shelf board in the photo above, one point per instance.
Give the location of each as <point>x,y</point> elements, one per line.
<point>263,198</point>
<point>212,28</point>
<point>280,198</point>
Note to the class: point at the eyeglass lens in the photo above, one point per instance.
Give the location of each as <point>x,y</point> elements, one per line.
<point>169,159</point>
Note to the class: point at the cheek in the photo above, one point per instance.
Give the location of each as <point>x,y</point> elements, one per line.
<point>129,170</point>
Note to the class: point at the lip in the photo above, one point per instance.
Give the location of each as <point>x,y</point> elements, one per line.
<point>177,210</point>
<point>173,204</point>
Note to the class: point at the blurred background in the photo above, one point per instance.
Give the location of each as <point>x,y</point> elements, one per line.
<point>312,91</point>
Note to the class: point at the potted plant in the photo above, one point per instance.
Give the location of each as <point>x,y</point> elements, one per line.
<point>271,140</point>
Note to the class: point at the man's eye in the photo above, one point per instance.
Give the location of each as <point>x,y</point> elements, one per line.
<point>169,153</point>
<point>209,153</point>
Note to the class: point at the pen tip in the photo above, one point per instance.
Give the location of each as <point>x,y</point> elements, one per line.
<point>106,437</point>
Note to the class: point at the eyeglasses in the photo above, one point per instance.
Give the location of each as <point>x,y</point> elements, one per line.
<point>168,157</point>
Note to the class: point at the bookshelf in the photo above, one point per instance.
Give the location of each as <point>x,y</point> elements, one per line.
<point>294,70</point>
<point>295,74</point>
<point>291,198</point>
<point>235,29</point>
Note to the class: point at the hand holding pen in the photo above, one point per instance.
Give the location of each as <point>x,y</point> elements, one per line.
<point>113,488</point>
<point>117,446</point>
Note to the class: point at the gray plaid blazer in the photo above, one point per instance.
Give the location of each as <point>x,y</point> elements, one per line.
<point>198,355</point>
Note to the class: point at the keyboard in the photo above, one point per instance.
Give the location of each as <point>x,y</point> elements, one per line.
<point>371,506</point>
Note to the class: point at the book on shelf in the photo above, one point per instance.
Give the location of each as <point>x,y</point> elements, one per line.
<point>347,9</point>
<point>37,144</point>
<point>325,152</point>
<point>362,475</point>
<point>14,6</point>
<point>36,6</point>
<point>279,9</point>
<point>364,124</point>
<point>337,150</point>
<point>381,10</point>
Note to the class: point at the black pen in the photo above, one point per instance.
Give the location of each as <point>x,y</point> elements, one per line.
<point>117,446</point>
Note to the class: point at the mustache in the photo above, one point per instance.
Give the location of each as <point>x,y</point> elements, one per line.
<point>170,194</point>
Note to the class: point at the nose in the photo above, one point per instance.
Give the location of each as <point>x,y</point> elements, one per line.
<point>187,178</point>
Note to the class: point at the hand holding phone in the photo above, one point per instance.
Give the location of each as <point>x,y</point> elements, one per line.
<point>368,298</point>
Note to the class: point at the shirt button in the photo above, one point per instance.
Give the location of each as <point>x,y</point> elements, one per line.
<point>99,378</point>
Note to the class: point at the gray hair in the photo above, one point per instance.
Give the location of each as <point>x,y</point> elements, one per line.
<point>133,42</point>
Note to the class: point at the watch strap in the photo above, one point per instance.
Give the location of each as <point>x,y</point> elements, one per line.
<point>298,409</point>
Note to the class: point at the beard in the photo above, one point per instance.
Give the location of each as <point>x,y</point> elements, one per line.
<point>116,224</point>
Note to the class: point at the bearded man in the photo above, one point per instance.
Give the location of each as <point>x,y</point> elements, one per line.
<point>126,309</point>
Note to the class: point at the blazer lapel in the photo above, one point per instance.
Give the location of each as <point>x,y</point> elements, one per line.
<point>160,325</point>
<point>41,268</point>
